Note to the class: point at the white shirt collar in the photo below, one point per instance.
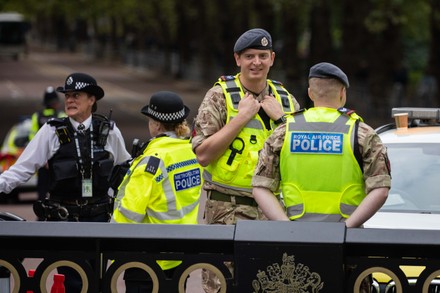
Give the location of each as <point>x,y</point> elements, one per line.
<point>86,122</point>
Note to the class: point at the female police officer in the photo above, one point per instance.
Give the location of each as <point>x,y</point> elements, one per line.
<point>81,150</point>
<point>164,181</point>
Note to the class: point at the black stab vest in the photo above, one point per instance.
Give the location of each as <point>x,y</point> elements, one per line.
<point>64,166</point>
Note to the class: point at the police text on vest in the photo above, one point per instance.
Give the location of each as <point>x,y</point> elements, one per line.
<point>187,179</point>
<point>316,142</point>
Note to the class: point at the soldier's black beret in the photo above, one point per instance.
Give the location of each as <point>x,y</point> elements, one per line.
<point>328,70</point>
<point>256,38</point>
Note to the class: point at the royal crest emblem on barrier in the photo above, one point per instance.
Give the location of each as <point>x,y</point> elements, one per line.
<point>291,277</point>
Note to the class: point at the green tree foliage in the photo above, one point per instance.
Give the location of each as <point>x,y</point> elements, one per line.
<point>371,40</point>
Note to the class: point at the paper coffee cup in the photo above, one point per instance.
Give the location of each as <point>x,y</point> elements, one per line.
<point>401,120</point>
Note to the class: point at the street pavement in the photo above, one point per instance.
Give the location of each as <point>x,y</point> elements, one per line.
<point>127,90</point>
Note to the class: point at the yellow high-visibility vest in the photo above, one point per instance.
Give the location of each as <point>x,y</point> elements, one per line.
<point>320,175</point>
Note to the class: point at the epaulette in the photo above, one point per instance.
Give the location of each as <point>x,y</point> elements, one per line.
<point>299,111</point>
<point>351,113</point>
<point>62,130</point>
<point>226,77</point>
<point>277,82</point>
<point>55,122</point>
<point>152,165</point>
<point>347,111</point>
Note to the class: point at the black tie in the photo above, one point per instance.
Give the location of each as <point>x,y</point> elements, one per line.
<point>81,128</point>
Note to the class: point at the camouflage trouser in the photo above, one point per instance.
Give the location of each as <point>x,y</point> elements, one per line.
<point>225,213</point>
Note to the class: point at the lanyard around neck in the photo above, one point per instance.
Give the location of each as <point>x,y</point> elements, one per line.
<point>78,151</point>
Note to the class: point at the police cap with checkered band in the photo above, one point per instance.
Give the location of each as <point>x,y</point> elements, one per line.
<point>166,107</point>
<point>81,82</point>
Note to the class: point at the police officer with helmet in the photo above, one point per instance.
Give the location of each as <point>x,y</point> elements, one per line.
<point>81,150</point>
<point>164,181</point>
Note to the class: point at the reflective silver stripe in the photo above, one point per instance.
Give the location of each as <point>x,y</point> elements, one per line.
<point>253,123</point>
<point>338,126</point>
<point>138,218</point>
<point>295,210</point>
<point>127,213</point>
<point>121,192</point>
<point>347,209</point>
<point>320,218</point>
<point>208,177</point>
<point>173,214</point>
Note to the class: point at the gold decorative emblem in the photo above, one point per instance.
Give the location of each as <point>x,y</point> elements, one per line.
<point>264,42</point>
<point>290,277</point>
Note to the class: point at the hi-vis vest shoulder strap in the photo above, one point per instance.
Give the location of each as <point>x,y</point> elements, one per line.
<point>234,91</point>
<point>321,176</point>
<point>234,169</point>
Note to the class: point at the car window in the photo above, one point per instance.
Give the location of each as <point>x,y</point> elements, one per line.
<point>415,178</point>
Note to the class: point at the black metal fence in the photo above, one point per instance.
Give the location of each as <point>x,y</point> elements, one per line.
<point>268,256</point>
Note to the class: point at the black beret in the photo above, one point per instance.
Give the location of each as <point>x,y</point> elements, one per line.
<point>328,70</point>
<point>256,38</point>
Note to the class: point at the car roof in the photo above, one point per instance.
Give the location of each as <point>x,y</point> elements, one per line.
<point>430,134</point>
<point>422,125</point>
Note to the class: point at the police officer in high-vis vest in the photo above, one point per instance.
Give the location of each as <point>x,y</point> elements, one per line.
<point>164,182</point>
<point>333,166</point>
<point>234,119</point>
<point>81,150</point>
<point>52,105</point>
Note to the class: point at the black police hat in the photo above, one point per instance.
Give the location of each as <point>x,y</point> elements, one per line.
<point>81,82</point>
<point>256,38</point>
<point>50,95</point>
<point>166,107</point>
<point>328,70</point>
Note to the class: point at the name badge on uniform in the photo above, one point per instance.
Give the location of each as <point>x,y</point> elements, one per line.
<point>316,143</point>
<point>87,188</point>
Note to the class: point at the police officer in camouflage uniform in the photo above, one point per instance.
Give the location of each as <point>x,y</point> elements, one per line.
<point>307,152</point>
<point>234,119</point>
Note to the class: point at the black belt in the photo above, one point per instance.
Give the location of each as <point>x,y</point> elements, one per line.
<point>243,200</point>
<point>89,210</point>
<point>62,210</point>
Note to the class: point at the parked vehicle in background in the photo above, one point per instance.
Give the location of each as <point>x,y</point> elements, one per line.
<point>13,145</point>
<point>413,144</point>
<point>13,34</point>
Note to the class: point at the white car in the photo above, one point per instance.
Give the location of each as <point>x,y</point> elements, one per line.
<point>413,144</point>
<point>414,152</point>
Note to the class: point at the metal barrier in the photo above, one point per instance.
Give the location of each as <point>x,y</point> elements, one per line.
<point>268,256</point>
